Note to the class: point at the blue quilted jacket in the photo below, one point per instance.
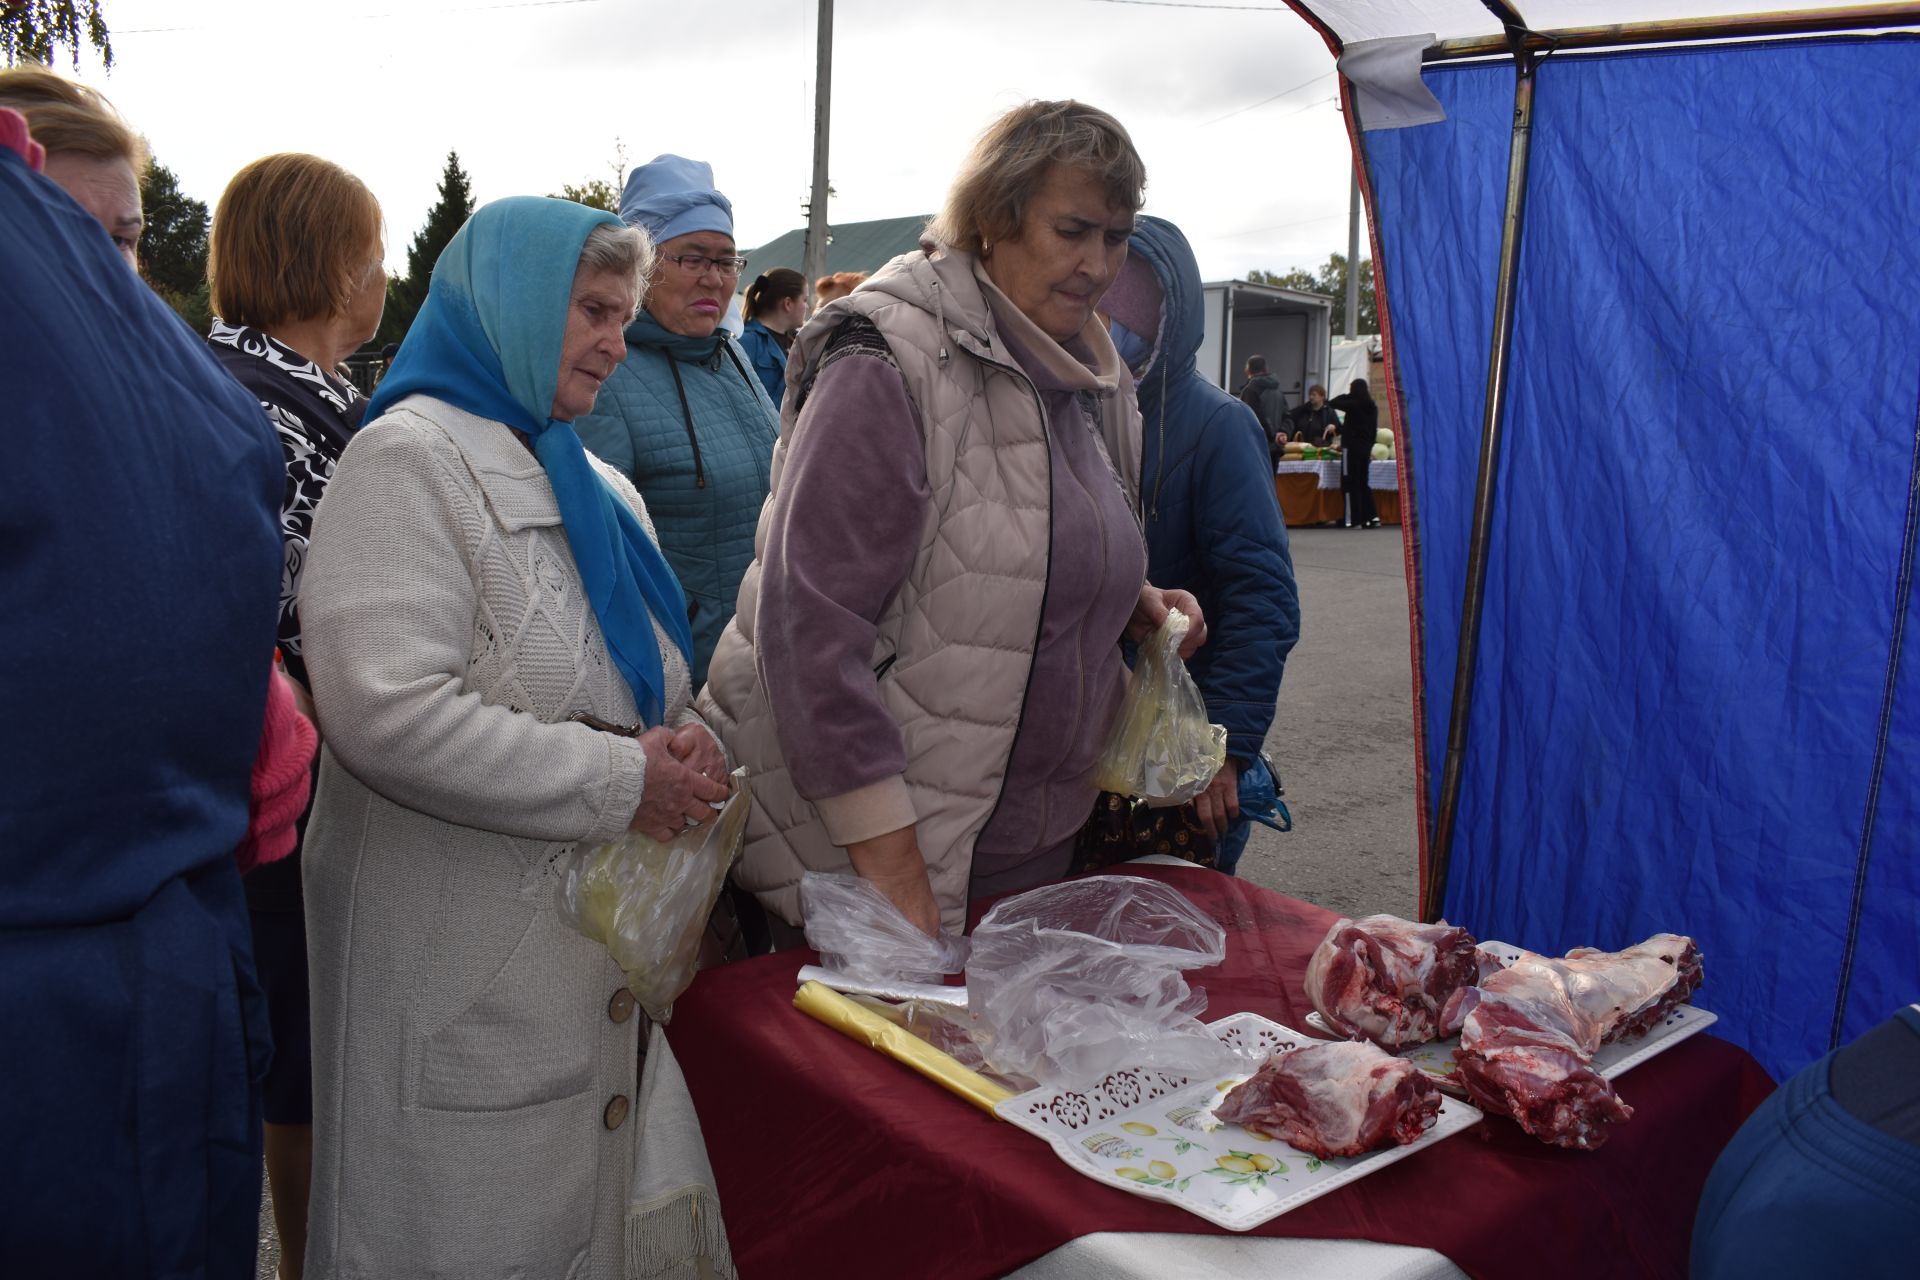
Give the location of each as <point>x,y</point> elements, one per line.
<point>690,423</point>
<point>1213,524</point>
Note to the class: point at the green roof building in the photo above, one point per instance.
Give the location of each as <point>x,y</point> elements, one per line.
<point>851,246</point>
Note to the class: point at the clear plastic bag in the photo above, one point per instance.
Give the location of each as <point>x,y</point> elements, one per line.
<point>1071,981</point>
<point>649,902</point>
<point>861,934</point>
<point>1163,748</point>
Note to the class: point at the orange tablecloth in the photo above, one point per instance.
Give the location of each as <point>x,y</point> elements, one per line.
<point>1303,501</point>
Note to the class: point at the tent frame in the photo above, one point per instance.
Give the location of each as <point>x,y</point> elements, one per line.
<point>1527,47</point>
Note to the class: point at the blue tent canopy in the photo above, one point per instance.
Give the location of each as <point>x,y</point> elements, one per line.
<point>1697,696</point>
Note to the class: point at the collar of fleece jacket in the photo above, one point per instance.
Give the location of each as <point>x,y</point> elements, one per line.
<point>1182,317</point>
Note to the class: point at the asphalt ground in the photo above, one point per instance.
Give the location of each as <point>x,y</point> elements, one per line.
<point>1342,741</point>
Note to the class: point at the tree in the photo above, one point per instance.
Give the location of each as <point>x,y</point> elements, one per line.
<point>595,193</point>
<point>600,193</point>
<point>173,247</point>
<point>30,30</point>
<point>406,294</point>
<point>1332,281</point>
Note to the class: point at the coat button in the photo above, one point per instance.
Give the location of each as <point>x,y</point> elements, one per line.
<point>620,1008</point>
<point>617,1111</point>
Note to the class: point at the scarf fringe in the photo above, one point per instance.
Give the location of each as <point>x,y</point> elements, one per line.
<point>669,1240</point>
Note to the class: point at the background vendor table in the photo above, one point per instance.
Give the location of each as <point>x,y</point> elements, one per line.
<point>1309,492</point>
<point>831,1159</point>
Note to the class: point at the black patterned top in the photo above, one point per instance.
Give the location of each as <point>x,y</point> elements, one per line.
<point>315,413</point>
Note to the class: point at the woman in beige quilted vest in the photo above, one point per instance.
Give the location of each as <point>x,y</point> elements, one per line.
<point>925,661</point>
<point>476,583</point>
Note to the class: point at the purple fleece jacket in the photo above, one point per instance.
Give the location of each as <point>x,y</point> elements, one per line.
<point>846,523</point>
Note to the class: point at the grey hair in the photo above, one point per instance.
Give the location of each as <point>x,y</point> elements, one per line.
<point>989,197</point>
<point>618,249</point>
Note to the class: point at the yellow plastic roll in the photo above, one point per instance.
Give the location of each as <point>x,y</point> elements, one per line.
<point>874,1031</point>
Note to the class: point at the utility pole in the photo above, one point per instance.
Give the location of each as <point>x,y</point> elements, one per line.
<point>816,256</point>
<point>1353,253</point>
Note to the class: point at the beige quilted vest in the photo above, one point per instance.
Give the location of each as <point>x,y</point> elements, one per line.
<point>956,644</point>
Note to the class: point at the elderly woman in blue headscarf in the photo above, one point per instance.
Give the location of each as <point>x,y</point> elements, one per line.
<point>499,655</point>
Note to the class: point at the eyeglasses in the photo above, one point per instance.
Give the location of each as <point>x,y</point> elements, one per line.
<point>696,264</point>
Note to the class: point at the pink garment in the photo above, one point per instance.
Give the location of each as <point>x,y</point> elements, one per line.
<point>282,778</point>
<point>15,137</point>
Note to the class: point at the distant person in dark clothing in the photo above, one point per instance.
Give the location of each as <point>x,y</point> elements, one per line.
<point>1314,422</point>
<point>1357,432</point>
<point>1261,393</point>
<point>1824,1177</point>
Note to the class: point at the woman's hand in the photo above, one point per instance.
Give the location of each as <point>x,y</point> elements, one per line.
<point>675,795</point>
<point>1219,804</point>
<point>700,751</point>
<point>1151,610</point>
<point>893,865</point>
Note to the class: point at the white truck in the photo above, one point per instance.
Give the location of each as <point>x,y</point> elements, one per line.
<point>1292,329</point>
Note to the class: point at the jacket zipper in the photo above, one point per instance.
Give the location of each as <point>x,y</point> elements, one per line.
<point>699,467</point>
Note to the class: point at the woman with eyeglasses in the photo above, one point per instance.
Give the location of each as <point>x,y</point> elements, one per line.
<point>684,416</point>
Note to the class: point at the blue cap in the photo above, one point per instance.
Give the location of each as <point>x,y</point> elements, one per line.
<point>673,196</point>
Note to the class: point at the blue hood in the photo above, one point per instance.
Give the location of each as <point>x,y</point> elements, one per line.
<point>1160,245</point>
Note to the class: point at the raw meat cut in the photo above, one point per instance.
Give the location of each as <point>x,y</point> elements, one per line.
<point>1386,979</point>
<point>1336,1099</point>
<point>1528,1032</point>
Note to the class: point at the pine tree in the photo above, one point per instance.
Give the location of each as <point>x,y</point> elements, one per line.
<point>406,294</point>
<point>173,247</point>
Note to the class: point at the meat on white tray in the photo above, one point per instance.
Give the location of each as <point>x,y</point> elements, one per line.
<point>1335,1099</point>
<point>1387,980</point>
<point>1528,1032</point>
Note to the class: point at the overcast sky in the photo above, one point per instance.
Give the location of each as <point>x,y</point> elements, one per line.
<point>536,93</point>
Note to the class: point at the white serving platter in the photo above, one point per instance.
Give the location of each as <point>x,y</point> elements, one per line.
<point>1153,1133</point>
<point>1436,1057</point>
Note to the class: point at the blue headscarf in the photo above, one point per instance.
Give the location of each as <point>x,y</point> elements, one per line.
<point>488,340</point>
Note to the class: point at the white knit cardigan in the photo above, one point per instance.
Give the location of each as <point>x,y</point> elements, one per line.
<point>467,1068</point>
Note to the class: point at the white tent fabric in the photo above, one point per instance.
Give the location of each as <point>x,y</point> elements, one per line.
<point>1353,20</point>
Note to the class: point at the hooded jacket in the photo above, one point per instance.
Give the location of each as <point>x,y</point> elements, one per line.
<point>688,422</point>
<point>1213,525</point>
<point>1262,395</point>
<point>954,648</point>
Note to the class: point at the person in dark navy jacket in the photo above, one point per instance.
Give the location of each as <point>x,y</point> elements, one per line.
<point>140,575</point>
<point>1213,526</point>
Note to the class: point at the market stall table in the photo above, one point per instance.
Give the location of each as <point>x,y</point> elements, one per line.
<point>831,1159</point>
<point>1309,491</point>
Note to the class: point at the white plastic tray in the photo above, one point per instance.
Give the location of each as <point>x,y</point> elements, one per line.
<point>1436,1057</point>
<point>1153,1133</point>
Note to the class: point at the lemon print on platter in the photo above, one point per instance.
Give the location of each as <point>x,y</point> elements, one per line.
<point>1161,1169</point>
<point>1141,1130</point>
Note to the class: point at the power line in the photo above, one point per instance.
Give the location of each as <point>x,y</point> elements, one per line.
<point>1275,98</point>
<point>1258,231</point>
<point>375,17</point>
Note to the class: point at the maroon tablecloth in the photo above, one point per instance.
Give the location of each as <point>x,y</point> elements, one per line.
<point>831,1159</point>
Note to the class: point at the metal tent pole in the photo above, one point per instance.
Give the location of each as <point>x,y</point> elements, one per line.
<point>1494,417</point>
<point>1677,31</point>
